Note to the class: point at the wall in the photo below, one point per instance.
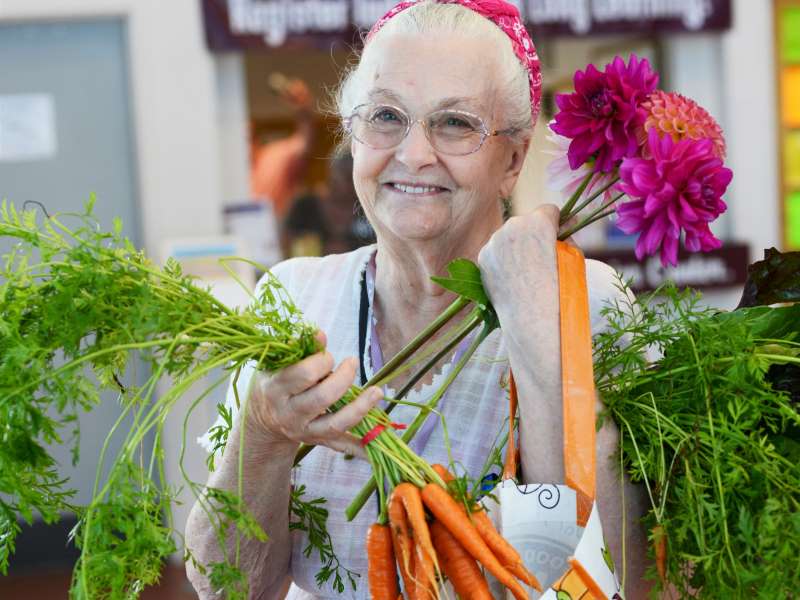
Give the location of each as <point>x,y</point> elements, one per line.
<point>190,128</point>
<point>748,89</point>
<point>175,108</point>
<point>732,76</point>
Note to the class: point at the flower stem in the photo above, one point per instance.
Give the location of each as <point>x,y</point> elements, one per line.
<point>590,199</point>
<point>469,325</point>
<point>422,337</point>
<point>566,210</point>
<point>601,213</point>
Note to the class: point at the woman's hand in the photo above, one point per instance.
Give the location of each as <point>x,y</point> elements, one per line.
<point>289,407</point>
<point>518,267</point>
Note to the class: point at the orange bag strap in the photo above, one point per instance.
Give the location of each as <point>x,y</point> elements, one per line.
<point>577,378</point>
<point>577,382</point>
<point>512,452</point>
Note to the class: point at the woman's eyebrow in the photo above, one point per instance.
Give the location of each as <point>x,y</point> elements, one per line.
<point>459,102</point>
<point>384,94</point>
<point>464,102</point>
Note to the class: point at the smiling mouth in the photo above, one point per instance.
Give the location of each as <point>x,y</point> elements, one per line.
<point>417,190</point>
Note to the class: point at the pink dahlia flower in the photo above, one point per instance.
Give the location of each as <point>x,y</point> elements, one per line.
<point>679,188</point>
<point>681,117</point>
<point>604,116</point>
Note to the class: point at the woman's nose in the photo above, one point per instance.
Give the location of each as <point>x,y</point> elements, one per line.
<point>415,150</point>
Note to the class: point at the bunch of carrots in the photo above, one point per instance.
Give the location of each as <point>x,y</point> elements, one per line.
<point>447,540</point>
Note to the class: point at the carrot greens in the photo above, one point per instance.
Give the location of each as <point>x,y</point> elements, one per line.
<point>715,443</point>
<point>82,311</point>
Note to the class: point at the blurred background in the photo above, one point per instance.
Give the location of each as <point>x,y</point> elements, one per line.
<point>206,125</point>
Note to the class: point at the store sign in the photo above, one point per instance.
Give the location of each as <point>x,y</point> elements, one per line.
<point>240,24</point>
<point>724,268</point>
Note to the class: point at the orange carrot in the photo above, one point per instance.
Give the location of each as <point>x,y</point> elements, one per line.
<point>577,380</point>
<point>660,544</point>
<point>454,517</point>
<point>506,554</point>
<point>381,574</point>
<point>425,589</point>
<point>460,568</point>
<point>409,495</point>
<point>442,472</point>
<point>403,544</point>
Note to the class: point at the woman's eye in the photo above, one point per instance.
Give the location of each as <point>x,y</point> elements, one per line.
<point>385,116</point>
<point>453,123</point>
<point>457,122</point>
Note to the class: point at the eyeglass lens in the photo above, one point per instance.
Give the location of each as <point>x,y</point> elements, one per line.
<point>449,131</point>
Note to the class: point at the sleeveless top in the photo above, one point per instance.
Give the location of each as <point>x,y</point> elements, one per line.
<point>327,290</point>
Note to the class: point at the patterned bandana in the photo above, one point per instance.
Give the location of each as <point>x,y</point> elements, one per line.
<point>506,17</point>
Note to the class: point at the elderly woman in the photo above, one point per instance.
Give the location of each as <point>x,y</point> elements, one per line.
<point>439,112</point>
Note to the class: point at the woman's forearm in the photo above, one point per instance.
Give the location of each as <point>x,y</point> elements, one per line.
<point>532,335</point>
<point>266,492</point>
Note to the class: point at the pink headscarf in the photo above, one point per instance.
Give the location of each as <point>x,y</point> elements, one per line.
<point>506,17</point>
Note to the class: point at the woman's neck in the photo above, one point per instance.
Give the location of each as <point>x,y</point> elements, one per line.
<point>406,300</point>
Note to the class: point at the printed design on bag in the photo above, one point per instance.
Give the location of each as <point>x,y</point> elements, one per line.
<point>609,560</point>
<point>548,495</point>
<point>546,555</point>
<point>571,587</point>
<point>607,557</point>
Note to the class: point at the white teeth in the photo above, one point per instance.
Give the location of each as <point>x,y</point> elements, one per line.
<point>409,189</point>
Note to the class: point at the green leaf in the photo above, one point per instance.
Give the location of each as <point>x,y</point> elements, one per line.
<point>465,280</point>
<point>772,280</point>
<point>779,322</point>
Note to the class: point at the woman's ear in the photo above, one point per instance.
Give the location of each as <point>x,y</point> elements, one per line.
<point>514,162</point>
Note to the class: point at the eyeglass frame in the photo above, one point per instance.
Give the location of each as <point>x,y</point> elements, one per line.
<point>485,132</point>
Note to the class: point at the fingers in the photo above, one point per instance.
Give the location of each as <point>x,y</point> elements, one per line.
<point>333,429</point>
<point>299,377</point>
<point>349,416</point>
<point>293,403</point>
<point>550,212</point>
<point>316,400</point>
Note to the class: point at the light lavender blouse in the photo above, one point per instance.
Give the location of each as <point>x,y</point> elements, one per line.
<point>327,290</point>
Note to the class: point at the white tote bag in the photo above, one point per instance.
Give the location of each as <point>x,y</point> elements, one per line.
<point>556,528</point>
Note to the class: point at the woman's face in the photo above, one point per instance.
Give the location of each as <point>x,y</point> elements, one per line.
<point>411,191</point>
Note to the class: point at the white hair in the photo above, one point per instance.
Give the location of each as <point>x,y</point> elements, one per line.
<point>430,18</point>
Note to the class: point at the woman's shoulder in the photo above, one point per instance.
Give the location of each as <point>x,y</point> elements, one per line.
<point>606,288</point>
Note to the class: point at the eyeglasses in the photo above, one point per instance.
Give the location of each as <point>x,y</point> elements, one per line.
<point>454,132</point>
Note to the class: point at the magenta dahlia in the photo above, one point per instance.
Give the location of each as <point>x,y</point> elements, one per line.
<point>604,116</point>
<point>679,188</point>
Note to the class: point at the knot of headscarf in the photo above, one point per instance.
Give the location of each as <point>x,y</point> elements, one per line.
<point>506,16</point>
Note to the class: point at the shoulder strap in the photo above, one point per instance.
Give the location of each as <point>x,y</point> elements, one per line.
<point>577,378</point>
<point>363,316</point>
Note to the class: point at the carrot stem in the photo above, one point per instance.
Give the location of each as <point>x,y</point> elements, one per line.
<point>361,498</point>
